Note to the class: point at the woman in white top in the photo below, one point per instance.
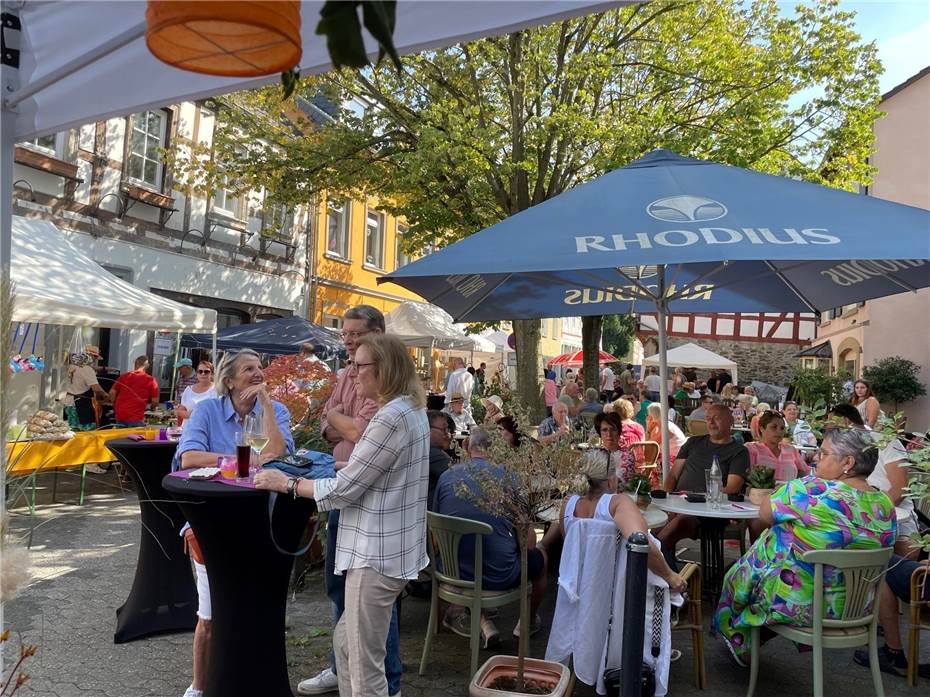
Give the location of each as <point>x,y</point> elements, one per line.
<point>863,399</point>
<point>598,480</point>
<point>676,438</point>
<point>196,393</point>
<point>82,388</point>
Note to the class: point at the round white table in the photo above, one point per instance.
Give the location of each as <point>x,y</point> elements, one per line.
<point>713,522</point>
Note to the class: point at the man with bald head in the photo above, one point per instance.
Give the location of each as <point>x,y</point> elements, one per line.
<point>695,458</point>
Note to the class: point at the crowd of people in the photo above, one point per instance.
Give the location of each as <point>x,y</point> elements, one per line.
<point>395,460</point>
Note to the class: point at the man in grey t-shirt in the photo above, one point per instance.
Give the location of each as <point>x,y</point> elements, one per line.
<point>694,458</point>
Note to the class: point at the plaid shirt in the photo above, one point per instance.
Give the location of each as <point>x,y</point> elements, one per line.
<point>382,495</point>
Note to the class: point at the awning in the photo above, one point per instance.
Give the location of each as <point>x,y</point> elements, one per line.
<point>824,350</point>
<point>55,283</point>
<point>427,326</point>
<point>694,356</point>
<point>281,336</point>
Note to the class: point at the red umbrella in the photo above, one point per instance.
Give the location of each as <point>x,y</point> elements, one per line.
<point>574,358</point>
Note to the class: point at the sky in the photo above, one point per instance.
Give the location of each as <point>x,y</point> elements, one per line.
<point>901,30</point>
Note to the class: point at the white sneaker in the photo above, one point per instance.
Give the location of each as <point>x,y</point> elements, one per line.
<point>325,681</point>
<point>191,692</point>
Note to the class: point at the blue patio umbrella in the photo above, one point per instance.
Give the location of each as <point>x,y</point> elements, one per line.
<point>669,233</point>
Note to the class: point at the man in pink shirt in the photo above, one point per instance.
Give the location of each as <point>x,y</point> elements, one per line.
<point>344,419</point>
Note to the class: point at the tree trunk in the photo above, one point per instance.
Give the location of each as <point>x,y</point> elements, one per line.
<point>591,345</point>
<point>529,366</point>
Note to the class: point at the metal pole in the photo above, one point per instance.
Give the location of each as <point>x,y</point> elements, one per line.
<point>662,308</point>
<point>634,615</point>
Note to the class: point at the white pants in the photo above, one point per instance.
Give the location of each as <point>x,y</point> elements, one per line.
<point>362,631</point>
<point>204,609</point>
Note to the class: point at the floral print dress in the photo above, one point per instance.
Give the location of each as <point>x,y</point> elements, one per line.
<point>770,585</point>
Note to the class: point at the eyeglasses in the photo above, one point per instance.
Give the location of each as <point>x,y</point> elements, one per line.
<point>353,335</point>
<point>445,430</point>
<point>204,372</point>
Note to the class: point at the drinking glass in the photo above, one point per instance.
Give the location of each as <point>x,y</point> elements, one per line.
<point>258,439</point>
<point>243,453</point>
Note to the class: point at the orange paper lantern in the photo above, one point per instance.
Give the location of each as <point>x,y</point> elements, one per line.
<point>235,39</point>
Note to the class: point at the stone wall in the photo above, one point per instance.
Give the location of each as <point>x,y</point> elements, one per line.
<point>768,362</point>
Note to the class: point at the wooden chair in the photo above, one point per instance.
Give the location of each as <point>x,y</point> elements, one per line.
<point>446,533</point>
<point>919,615</point>
<point>647,453</point>
<point>693,614</point>
<point>697,427</point>
<point>863,571</point>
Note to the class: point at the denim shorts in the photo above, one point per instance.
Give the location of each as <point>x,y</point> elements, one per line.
<point>899,577</point>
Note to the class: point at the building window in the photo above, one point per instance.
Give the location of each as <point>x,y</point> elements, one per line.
<point>332,321</point>
<point>146,138</point>
<point>544,327</point>
<point>337,228</point>
<point>274,216</point>
<point>227,200</point>
<point>229,317</point>
<point>402,257</point>
<point>47,145</point>
<point>374,239</point>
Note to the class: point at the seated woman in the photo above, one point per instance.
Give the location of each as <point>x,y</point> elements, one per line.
<point>598,482</point>
<point>751,391</point>
<point>632,431</point>
<point>609,428</point>
<point>770,451</point>
<point>836,509</point>
<point>754,421</point>
<point>676,438</point>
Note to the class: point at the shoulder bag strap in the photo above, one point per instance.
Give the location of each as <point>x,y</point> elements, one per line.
<point>272,497</point>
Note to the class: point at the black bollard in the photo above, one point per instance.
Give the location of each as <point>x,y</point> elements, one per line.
<point>634,615</point>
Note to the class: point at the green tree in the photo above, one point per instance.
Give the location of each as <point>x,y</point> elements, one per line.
<point>894,379</point>
<point>469,135</point>
<point>618,331</point>
<point>814,386</point>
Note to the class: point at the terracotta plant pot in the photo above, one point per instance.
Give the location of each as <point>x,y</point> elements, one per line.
<point>755,495</point>
<point>506,666</point>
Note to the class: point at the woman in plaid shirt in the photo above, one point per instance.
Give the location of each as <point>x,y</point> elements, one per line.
<point>381,493</point>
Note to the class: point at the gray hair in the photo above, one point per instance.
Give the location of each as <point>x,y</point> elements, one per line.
<point>372,316</point>
<point>590,395</point>
<point>479,439</point>
<point>227,369</point>
<point>655,410</point>
<point>858,444</point>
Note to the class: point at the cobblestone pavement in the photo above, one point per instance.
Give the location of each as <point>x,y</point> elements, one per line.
<point>84,559</point>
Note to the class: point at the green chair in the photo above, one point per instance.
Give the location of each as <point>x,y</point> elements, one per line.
<point>444,536</point>
<point>863,571</point>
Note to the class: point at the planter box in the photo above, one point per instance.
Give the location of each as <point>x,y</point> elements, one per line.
<point>534,669</point>
<point>755,495</point>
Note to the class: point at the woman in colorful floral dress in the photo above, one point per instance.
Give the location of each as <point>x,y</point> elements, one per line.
<point>834,509</point>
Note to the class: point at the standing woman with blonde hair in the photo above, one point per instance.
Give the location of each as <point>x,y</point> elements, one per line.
<point>863,399</point>
<point>381,492</point>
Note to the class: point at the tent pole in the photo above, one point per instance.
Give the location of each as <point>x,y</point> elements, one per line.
<point>661,306</point>
<point>174,370</point>
<point>213,358</point>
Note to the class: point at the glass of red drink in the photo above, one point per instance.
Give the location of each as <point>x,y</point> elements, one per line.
<point>243,453</point>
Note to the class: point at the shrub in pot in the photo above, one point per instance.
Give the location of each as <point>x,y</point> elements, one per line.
<point>638,489</point>
<point>761,482</point>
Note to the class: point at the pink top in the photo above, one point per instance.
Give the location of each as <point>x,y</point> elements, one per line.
<point>361,410</point>
<point>632,433</point>
<point>550,392</point>
<point>787,465</point>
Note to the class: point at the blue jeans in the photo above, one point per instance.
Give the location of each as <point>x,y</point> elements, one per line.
<point>336,591</point>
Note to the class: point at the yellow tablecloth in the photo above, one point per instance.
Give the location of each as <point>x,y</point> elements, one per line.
<point>85,448</point>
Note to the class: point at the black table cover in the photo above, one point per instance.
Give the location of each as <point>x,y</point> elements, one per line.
<point>163,596</point>
<point>248,581</point>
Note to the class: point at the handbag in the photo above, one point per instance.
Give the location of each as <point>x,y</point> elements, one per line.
<point>304,464</point>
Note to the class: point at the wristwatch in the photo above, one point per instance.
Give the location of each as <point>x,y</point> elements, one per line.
<point>291,484</point>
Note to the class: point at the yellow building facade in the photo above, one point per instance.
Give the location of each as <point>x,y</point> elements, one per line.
<point>355,245</point>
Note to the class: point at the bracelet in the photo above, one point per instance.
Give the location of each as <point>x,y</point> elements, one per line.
<point>296,488</point>
<point>291,484</point>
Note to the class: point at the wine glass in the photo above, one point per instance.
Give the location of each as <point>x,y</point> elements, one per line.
<point>259,439</point>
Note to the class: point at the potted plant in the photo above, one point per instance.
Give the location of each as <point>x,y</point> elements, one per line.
<point>534,474</point>
<point>638,489</point>
<point>761,483</point>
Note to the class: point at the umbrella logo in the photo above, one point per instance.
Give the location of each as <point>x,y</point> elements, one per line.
<point>686,209</point>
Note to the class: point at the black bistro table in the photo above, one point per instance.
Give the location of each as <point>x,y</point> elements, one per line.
<point>163,596</point>
<point>248,580</point>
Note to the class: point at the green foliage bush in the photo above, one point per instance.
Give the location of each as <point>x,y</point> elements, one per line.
<point>894,379</point>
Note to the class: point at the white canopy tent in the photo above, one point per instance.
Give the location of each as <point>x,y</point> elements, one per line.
<point>694,356</point>
<point>58,284</point>
<point>428,326</point>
